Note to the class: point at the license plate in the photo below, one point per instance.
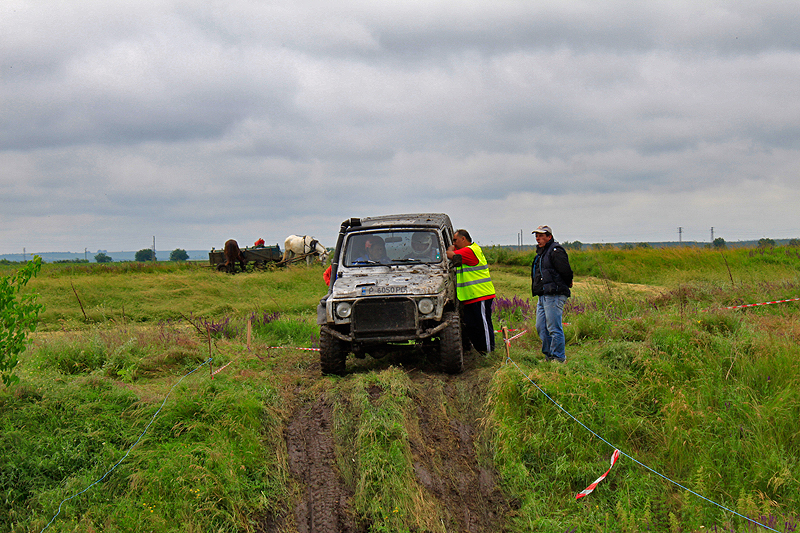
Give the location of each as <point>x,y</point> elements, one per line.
<point>368,291</point>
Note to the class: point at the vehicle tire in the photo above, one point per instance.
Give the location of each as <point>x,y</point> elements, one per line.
<point>452,354</point>
<point>332,354</point>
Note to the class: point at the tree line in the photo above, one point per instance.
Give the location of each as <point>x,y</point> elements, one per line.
<point>146,254</point>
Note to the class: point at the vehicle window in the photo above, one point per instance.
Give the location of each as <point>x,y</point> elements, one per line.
<point>392,248</point>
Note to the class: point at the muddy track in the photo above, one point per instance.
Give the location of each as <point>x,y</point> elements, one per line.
<point>443,448</point>
<point>446,462</point>
<point>312,461</point>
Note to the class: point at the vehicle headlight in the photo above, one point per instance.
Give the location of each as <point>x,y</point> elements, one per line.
<point>343,309</point>
<point>425,306</point>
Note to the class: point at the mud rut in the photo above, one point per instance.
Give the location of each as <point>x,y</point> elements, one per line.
<point>444,460</point>
<point>446,463</point>
<point>310,447</point>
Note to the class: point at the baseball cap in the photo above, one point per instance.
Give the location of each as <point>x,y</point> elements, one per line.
<point>543,229</point>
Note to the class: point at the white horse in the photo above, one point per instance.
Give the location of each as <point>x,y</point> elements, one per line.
<point>296,245</point>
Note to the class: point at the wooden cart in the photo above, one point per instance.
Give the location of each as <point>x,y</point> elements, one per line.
<point>259,256</point>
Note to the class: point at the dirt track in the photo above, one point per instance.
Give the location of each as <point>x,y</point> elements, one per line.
<point>310,445</point>
<point>444,459</point>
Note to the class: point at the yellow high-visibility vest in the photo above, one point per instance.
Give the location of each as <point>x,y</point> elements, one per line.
<point>474,281</point>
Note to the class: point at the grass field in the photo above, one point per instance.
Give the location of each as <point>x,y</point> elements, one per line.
<point>145,405</point>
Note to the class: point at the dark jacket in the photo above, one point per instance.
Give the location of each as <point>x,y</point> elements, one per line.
<point>550,271</point>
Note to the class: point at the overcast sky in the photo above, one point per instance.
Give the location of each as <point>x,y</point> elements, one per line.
<point>197,121</point>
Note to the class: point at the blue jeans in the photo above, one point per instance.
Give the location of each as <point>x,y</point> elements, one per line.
<point>549,312</point>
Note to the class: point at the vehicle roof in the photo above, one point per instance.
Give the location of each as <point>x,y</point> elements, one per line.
<point>439,220</point>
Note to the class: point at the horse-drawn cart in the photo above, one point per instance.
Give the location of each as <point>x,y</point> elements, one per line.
<point>259,256</point>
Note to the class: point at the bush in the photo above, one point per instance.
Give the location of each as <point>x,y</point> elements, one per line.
<point>18,315</point>
<point>178,254</point>
<point>145,255</point>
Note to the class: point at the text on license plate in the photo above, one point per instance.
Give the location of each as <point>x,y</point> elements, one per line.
<point>366,291</point>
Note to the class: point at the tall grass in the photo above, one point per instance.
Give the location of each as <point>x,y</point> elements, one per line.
<point>205,463</point>
<point>673,265</point>
<point>372,422</point>
<point>75,296</point>
<point>708,399</point>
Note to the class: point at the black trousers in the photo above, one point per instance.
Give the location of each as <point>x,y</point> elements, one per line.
<point>478,322</point>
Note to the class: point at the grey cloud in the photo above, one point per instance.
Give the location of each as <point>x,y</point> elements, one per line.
<point>164,115</point>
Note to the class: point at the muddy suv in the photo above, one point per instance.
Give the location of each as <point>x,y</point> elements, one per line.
<point>392,288</point>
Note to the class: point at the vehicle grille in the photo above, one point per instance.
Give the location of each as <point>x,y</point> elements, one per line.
<point>377,316</point>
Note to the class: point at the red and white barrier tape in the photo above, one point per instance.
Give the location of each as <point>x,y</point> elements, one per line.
<point>217,371</point>
<point>510,329</point>
<point>508,341</point>
<point>291,348</point>
<point>756,305</point>
<point>523,331</point>
<point>588,490</point>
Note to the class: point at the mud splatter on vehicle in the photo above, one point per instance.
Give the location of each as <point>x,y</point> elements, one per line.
<point>392,288</point>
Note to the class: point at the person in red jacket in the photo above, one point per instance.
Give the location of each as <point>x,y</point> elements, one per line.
<point>474,289</point>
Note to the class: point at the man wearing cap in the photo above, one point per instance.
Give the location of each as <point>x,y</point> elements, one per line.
<point>551,279</point>
<point>474,288</point>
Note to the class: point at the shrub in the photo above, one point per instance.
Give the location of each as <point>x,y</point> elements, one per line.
<point>178,254</point>
<point>19,314</point>
<point>145,254</point>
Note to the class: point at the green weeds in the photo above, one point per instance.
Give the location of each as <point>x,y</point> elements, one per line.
<point>19,315</point>
<point>707,399</point>
<point>207,462</point>
<point>373,424</point>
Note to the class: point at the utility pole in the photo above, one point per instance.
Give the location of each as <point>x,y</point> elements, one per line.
<point>154,248</point>
<point>680,234</point>
<point>712,234</point>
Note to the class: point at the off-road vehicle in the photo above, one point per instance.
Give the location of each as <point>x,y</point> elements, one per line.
<point>392,288</point>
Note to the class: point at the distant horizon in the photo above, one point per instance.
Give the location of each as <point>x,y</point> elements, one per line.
<point>201,253</point>
<point>528,240</point>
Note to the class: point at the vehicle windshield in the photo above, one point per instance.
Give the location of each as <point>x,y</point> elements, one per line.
<point>392,248</point>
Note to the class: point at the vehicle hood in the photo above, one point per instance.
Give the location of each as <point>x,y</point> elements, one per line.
<point>381,281</point>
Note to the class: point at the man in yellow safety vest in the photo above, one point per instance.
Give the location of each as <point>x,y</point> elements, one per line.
<point>474,289</point>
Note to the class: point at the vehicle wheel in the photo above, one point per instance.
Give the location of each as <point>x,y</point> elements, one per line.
<point>332,354</point>
<point>452,354</point>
